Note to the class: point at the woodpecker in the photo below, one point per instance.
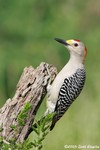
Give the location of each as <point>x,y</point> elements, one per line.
<point>69,82</point>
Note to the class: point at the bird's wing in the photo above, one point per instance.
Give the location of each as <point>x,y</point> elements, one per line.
<point>63,103</point>
<point>69,91</point>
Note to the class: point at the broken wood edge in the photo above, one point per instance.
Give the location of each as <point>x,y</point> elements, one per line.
<point>31,89</point>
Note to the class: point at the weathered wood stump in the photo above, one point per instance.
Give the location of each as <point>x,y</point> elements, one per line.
<point>30,88</point>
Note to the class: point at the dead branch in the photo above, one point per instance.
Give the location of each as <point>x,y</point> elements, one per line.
<point>30,88</point>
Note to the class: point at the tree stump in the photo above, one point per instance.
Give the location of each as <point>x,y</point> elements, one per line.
<point>31,89</point>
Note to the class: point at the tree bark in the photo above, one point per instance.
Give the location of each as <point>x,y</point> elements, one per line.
<point>30,88</point>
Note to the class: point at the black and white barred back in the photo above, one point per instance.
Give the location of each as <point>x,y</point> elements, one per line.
<point>69,91</point>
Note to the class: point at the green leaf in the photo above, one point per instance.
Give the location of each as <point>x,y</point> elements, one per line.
<point>36,130</point>
<point>13,127</point>
<point>23,114</point>
<point>41,128</point>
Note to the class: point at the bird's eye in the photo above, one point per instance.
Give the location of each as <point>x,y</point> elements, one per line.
<point>75,44</point>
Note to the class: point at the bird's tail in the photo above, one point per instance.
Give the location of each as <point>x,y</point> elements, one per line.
<point>54,120</point>
<point>52,125</point>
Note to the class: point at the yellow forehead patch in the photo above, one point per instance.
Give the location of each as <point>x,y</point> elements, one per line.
<point>69,41</point>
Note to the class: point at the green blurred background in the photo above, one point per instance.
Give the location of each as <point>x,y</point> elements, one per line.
<point>27,30</point>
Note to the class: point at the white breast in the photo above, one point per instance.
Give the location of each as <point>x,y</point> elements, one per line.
<point>69,69</point>
<point>66,72</point>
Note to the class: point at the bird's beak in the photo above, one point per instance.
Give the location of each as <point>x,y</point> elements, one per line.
<point>62,41</point>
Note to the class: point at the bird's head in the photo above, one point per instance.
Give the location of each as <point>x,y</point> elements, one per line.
<point>75,47</point>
